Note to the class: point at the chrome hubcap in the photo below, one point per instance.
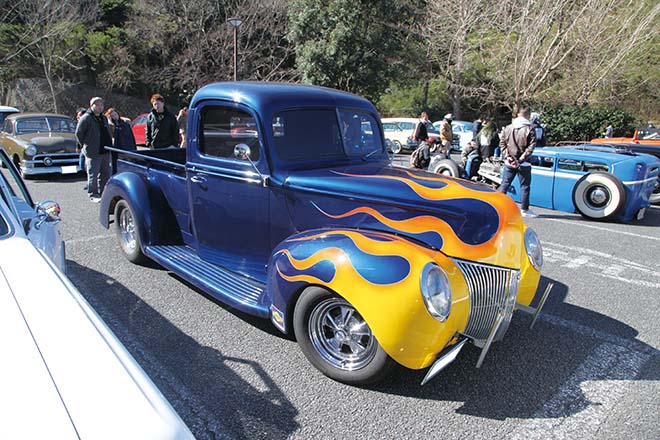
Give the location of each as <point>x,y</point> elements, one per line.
<point>597,196</point>
<point>127,229</point>
<point>340,335</point>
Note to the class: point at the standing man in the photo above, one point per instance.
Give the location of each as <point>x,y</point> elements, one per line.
<point>162,130</point>
<point>609,130</point>
<point>446,134</point>
<point>518,141</point>
<point>182,120</point>
<point>93,134</point>
<point>421,132</point>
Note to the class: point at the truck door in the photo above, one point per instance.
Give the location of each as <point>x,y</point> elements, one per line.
<point>228,201</point>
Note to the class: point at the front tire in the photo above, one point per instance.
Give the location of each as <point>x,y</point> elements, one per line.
<point>599,196</point>
<point>655,196</point>
<point>128,236</point>
<point>337,340</point>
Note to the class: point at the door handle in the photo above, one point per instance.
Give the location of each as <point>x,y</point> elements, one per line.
<point>198,179</point>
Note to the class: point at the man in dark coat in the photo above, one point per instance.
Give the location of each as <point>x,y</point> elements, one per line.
<point>162,130</point>
<point>93,135</point>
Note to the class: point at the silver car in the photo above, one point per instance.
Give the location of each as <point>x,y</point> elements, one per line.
<point>63,373</point>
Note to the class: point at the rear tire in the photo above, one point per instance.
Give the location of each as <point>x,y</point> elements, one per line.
<point>599,196</point>
<point>446,167</point>
<point>337,340</point>
<point>128,234</point>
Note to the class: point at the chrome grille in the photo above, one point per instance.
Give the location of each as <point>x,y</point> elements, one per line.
<point>491,289</point>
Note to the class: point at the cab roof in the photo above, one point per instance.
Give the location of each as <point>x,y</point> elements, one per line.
<point>268,98</point>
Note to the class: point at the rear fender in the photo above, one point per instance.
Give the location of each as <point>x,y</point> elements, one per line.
<point>379,274</point>
<point>154,218</point>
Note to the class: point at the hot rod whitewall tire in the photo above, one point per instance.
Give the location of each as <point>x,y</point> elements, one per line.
<point>446,167</point>
<point>128,236</point>
<point>336,340</point>
<point>655,197</point>
<point>599,196</point>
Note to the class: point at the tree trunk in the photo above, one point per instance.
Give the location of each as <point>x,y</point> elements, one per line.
<point>49,78</point>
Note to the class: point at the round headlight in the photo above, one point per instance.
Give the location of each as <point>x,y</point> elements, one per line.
<point>31,150</point>
<point>534,250</point>
<point>436,291</point>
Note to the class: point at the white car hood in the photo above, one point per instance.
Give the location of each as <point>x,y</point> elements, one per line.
<point>64,374</point>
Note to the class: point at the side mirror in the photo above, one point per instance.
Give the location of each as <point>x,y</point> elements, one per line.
<point>242,151</point>
<point>396,147</point>
<point>49,212</point>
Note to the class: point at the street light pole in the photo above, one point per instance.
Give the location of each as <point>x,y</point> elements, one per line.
<point>235,23</point>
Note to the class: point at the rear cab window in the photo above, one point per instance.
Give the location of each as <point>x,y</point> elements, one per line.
<point>223,128</point>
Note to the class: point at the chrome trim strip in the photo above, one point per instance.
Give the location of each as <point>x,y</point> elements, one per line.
<point>444,360</point>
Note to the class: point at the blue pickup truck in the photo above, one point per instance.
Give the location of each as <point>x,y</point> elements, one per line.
<point>284,205</point>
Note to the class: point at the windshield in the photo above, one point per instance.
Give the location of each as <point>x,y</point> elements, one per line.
<point>325,133</point>
<point>45,124</point>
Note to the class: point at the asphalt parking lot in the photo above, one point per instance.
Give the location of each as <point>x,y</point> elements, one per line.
<point>590,368</point>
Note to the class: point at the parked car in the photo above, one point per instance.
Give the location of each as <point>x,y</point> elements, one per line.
<point>462,131</point>
<point>644,140</point>
<point>139,127</point>
<point>41,143</point>
<point>397,135</point>
<point>599,182</point>
<point>368,265</point>
<point>6,111</point>
<point>64,374</point>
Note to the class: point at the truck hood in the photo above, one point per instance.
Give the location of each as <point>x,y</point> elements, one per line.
<point>458,217</point>
<point>50,143</point>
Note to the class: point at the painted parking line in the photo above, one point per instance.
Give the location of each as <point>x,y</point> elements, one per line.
<point>602,264</point>
<point>601,228</point>
<point>587,398</point>
<point>92,238</point>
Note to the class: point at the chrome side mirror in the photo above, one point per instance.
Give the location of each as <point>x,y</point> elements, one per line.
<point>396,147</point>
<point>48,211</point>
<point>242,151</point>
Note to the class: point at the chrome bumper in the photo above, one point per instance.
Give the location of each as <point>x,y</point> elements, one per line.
<point>449,355</point>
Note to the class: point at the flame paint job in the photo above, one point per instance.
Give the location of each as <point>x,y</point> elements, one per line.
<point>388,297</point>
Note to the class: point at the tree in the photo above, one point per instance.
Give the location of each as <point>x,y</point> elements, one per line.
<point>351,45</point>
<point>48,33</point>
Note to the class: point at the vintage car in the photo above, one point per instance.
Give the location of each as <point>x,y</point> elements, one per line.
<point>41,143</point>
<point>63,373</point>
<point>644,140</point>
<point>598,181</point>
<point>6,111</point>
<point>303,221</point>
<point>400,138</point>
<point>139,127</point>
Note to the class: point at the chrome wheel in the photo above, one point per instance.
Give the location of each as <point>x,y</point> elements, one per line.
<point>127,230</point>
<point>340,335</point>
<point>597,196</point>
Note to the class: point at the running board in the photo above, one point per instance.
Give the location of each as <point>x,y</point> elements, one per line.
<point>230,288</point>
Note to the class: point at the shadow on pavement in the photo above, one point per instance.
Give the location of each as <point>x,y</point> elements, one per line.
<point>530,367</point>
<point>242,409</point>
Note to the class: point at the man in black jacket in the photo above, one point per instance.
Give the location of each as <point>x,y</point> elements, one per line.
<point>93,136</point>
<point>162,130</point>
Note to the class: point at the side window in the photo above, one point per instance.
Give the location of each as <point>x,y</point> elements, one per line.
<point>389,127</point>
<point>540,161</point>
<point>359,133</point>
<point>595,166</point>
<point>222,128</point>
<point>569,164</point>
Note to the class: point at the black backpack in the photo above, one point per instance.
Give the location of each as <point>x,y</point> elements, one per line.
<point>416,158</point>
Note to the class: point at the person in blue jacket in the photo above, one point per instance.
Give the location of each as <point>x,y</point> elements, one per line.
<point>122,134</point>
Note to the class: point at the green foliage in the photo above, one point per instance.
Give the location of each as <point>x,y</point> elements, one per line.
<point>583,123</point>
<point>408,101</point>
<point>115,12</point>
<point>346,44</point>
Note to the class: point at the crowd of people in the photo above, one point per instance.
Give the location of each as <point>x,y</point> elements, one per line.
<point>97,130</point>
<point>514,144</point>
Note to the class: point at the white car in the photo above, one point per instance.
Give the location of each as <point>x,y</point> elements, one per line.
<point>462,131</point>
<point>6,110</point>
<point>64,374</point>
<point>400,131</point>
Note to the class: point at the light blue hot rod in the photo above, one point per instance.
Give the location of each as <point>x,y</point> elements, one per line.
<point>600,182</point>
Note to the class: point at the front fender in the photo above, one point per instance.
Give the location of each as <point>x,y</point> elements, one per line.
<point>379,274</point>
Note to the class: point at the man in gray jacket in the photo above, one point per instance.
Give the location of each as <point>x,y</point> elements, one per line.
<point>518,142</point>
<point>93,134</point>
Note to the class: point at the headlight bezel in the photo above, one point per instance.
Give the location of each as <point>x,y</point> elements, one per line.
<point>31,150</point>
<point>534,249</point>
<point>437,310</point>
